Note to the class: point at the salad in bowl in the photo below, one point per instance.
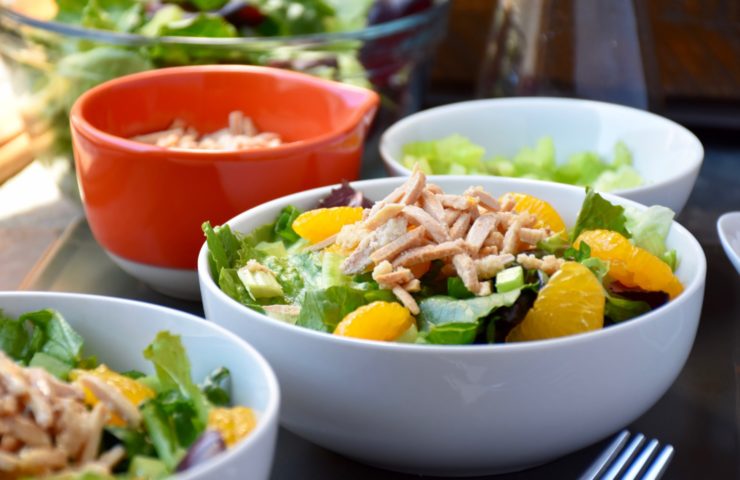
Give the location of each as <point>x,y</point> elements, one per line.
<point>428,267</point>
<point>451,403</point>
<point>83,402</point>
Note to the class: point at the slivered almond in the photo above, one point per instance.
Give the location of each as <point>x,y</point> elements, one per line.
<point>548,264</point>
<point>450,216</point>
<point>415,186</point>
<point>465,269</point>
<point>494,239</point>
<point>322,244</point>
<point>427,253</point>
<point>408,240</point>
<point>413,285</point>
<point>399,276</point>
<point>532,235</point>
<point>406,299</point>
<point>383,215</point>
<point>484,198</point>
<point>458,202</point>
<point>480,230</point>
<point>434,188</point>
<point>488,267</point>
<point>112,398</point>
<point>437,230</point>
<point>432,206</point>
<point>511,237</point>
<point>458,229</point>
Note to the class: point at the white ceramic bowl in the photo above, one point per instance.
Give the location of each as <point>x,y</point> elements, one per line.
<point>728,227</point>
<point>467,410</point>
<point>117,331</point>
<point>666,155</point>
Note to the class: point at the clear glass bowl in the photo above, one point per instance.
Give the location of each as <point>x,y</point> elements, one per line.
<point>51,64</point>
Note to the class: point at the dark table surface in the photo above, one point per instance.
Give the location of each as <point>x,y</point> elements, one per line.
<point>699,415</point>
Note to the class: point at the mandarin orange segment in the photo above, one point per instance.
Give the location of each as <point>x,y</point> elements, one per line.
<point>631,265</point>
<point>547,216</point>
<point>134,391</point>
<point>320,224</point>
<point>572,302</point>
<point>383,321</point>
<point>233,423</point>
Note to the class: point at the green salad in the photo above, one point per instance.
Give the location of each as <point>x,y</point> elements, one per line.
<point>429,267</point>
<point>66,415</point>
<point>60,67</point>
<point>457,155</point>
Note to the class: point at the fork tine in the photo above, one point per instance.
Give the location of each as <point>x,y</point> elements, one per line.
<point>660,464</point>
<point>601,463</point>
<point>624,457</point>
<point>641,461</point>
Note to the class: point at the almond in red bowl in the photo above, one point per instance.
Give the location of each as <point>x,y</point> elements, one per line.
<point>145,203</point>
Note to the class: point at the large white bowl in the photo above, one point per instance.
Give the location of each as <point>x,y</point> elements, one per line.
<point>666,155</point>
<point>467,410</point>
<point>117,331</point>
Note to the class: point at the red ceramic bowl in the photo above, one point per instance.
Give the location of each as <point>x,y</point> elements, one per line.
<point>145,204</point>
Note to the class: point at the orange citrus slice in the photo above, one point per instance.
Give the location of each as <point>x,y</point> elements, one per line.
<point>547,216</point>
<point>571,302</point>
<point>320,224</point>
<point>134,391</point>
<point>631,265</point>
<point>384,321</point>
<point>232,423</point>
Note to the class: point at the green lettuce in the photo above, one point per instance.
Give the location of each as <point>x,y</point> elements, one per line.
<point>451,155</point>
<point>598,213</point>
<point>323,309</point>
<point>649,229</point>
<point>619,309</point>
<point>537,162</point>
<point>42,339</point>
<point>172,368</point>
<point>114,15</point>
<point>448,320</point>
<point>456,154</point>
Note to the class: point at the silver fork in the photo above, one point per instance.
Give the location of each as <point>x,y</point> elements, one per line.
<point>630,461</point>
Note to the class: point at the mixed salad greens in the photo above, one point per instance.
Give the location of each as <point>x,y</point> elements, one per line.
<point>457,155</point>
<point>429,267</point>
<point>61,67</point>
<point>114,424</point>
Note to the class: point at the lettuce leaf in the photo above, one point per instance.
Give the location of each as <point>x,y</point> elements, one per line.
<point>114,15</point>
<point>446,155</point>
<point>42,338</point>
<point>537,162</point>
<point>456,154</point>
<point>598,213</point>
<point>172,368</point>
<point>294,17</point>
<point>619,309</point>
<point>649,229</point>
<point>323,309</point>
<point>284,224</point>
<point>448,320</point>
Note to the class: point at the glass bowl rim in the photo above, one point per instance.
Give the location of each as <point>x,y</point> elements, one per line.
<point>372,32</point>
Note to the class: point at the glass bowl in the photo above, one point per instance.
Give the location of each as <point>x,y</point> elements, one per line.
<point>50,64</point>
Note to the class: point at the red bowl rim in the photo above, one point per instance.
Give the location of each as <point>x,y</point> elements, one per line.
<point>369,104</point>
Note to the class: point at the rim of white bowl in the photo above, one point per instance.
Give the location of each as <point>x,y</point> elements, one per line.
<point>724,233</point>
<point>273,402</point>
<point>696,159</point>
<point>695,284</point>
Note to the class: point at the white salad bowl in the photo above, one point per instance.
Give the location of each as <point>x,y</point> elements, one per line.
<point>467,410</point>
<point>666,155</point>
<point>117,331</point>
<point>728,228</point>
